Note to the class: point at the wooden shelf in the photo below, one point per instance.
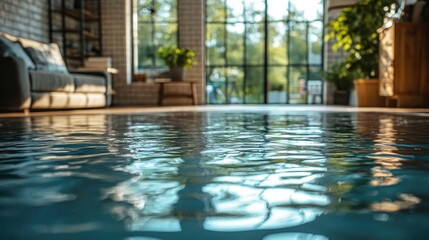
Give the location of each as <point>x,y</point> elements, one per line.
<point>73,58</point>
<point>68,26</point>
<point>90,36</point>
<point>404,55</point>
<point>75,14</point>
<point>175,95</point>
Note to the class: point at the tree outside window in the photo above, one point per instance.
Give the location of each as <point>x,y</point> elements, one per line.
<point>256,49</point>
<point>155,25</point>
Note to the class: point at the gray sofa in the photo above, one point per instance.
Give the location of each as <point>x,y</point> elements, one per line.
<point>33,76</point>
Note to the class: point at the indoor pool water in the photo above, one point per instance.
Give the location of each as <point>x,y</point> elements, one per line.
<point>215,175</point>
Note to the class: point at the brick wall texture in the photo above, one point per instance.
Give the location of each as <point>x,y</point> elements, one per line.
<point>29,19</point>
<point>25,18</point>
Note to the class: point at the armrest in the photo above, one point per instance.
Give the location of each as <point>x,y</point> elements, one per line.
<point>100,73</point>
<point>14,84</point>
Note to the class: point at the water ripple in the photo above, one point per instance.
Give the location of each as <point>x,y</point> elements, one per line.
<point>225,175</point>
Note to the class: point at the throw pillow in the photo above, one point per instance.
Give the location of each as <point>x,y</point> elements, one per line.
<point>14,49</point>
<point>46,56</point>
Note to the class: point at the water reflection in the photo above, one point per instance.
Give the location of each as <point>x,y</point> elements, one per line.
<point>386,155</point>
<point>223,173</point>
<point>390,152</point>
<point>215,175</point>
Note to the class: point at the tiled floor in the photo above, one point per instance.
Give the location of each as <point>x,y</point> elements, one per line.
<point>134,109</point>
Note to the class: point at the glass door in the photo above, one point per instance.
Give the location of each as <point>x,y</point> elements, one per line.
<point>264,51</point>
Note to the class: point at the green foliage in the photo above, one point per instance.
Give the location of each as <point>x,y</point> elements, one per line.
<point>355,31</point>
<point>177,57</point>
<point>341,76</point>
<point>235,35</point>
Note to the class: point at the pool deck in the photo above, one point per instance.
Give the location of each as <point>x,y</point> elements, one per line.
<point>148,109</point>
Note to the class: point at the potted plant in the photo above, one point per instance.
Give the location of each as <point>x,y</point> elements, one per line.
<point>341,77</point>
<point>177,59</point>
<point>355,32</point>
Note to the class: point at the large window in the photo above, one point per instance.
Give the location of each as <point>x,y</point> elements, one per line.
<point>154,25</point>
<point>264,51</point>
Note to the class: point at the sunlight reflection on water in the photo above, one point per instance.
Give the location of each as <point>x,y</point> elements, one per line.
<point>214,175</point>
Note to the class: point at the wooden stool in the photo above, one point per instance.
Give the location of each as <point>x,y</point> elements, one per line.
<point>162,95</point>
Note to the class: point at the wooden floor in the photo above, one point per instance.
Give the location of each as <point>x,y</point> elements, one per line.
<point>295,108</point>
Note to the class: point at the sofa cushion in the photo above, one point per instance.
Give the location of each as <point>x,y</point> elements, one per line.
<point>51,82</point>
<point>61,100</point>
<point>49,100</point>
<point>95,100</point>
<point>9,48</point>
<point>89,84</point>
<point>77,100</point>
<point>46,56</point>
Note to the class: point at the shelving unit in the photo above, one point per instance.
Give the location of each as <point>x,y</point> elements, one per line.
<point>76,26</point>
<point>404,55</point>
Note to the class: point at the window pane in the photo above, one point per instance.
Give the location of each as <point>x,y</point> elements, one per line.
<point>277,53</point>
<point>215,10</point>
<point>306,10</point>
<point>216,85</point>
<point>165,35</point>
<point>277,84</point>
<point>254,87</point>
<point>254,10</point>
<point>215,44</point>
<point>235,85</point>
<point>144,10</point>
<point>255,44</point>
<point>277,9</point>
<point>315,43</point>
<point>297,85</point>
<point>156,26</point>
<point>315,73</point>
<point>235,11</point>
<point>145,49</point>
<point>235,43</point>
<point>165,11</point>
<point>298,43</point>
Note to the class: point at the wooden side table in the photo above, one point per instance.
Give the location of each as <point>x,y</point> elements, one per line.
<point>162,95</point>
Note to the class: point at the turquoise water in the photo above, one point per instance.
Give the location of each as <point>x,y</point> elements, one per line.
<point>215,176</point>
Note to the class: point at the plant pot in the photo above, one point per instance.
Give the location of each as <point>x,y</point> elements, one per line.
<point>341,97</point>
<point>368,93</point>
<point>177,73</point>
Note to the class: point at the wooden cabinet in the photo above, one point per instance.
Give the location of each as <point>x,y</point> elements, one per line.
<point>404,64</point>
<point>76,26</point>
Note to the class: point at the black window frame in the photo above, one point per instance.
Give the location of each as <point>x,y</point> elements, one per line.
<point>266,21</point>
<point>135,69</point>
